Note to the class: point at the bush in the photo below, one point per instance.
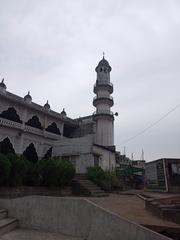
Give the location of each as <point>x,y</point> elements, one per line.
<point>19,167</point>
<point>5,168</point>
<point>107,180</point>
<point>55,172</point>
<point>17,170</point>
<point>96,174</point>
<point>66,172</point>
<point>32,177</point>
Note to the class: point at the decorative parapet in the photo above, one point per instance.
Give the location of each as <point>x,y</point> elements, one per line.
<point>99,85</point>
<point>11,124</point>
<point>103,99</point>
<point>103,113</point>
<point>24,128</point>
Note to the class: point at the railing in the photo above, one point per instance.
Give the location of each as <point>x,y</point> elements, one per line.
<point>33,130</point>
<point>98,83</point>
<point>102,97</point>
<point>9,123</point>
<point>103,112</point>
<point>26,128</point>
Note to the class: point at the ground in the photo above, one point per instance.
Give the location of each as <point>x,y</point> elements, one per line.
<point>132,208</point>
<point>24,234</point>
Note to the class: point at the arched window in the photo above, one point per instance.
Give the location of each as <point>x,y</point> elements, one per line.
<point>53,128</point>
<point>48,154</point>
<point>6,146</point>
<point>30,153</point>
<point>34,122</point>
<point>11,114</point>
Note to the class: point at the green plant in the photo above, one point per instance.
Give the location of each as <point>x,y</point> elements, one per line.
<point>96,174</point>
<point>19,167</point>
<point>5,168</point>
<point>32,177</point>
<point>55,172</point>
<point>107,180</point>
<point>66,171</point>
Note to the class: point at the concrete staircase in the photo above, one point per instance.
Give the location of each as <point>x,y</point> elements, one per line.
<point>84,187</point>
<point>6,224</point>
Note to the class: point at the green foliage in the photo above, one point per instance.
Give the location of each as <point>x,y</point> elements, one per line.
<point>17,170</point>
<point>96,174</point>
<point>31,177</point>
<point>107,180</point>
<point>55,172</point>
<point>19,167</point>
<point>5,168</point>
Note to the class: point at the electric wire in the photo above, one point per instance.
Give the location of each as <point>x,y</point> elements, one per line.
<point>150,126</point>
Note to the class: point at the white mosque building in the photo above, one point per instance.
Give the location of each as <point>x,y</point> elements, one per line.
<point>86,141</point>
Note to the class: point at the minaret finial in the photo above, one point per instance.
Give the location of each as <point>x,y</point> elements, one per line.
<point>28,92</point>
<point>103,54</point>
<point>2,80</point>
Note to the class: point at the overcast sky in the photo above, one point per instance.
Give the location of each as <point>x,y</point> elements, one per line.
<point>52,48</point>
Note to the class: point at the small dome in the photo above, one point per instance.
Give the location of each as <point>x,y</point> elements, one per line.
<point>2,84</point>
<point>103,63</point>
<point>28,98</point>
<point>47,106</point>
<point>63,112</point>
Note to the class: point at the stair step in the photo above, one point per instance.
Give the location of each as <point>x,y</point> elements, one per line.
<point>93,188</point>
<point>7,224</point>
<point>100,194</point>
<point>3,213</point>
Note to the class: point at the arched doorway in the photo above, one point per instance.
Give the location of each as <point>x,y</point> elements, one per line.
<point>48,154</point>
<point>6,146</point>
<point>53,128</point>
<point>11,114</point>
<point>34,122</point>
<point>30,153</point>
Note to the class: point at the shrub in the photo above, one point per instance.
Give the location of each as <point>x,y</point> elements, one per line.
<point>96,174</point>
<point>48,173</point>
<point>55,172</point>
<point>107,180</point>
<point>5,168</point>
<point>66,171</point>
<point>31,177</point>
<point>19,167</point>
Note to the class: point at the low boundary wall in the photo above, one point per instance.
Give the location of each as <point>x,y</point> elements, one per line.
<point>76,217</point>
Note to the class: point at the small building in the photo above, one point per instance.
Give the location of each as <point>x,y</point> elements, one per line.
<point>163,175</point>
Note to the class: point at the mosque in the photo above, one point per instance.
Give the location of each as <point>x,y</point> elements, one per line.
<point>85,141</point>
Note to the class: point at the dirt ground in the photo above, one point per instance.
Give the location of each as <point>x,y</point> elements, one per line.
<point>132,208</point>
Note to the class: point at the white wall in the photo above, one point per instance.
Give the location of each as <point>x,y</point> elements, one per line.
<point>107,158</point>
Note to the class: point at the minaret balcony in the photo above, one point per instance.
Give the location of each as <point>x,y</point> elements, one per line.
<point>103,114</point>
<point>103,85</point>
<point>100,100</point>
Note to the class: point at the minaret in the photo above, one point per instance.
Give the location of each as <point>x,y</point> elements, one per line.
<point>103,102</point>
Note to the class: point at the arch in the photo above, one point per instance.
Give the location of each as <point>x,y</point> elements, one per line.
<point>6,146</point>
<point>30,153</point>
<point>53,128</point>
<point>11,114</point>
<point>48,153</point>
<point>34,122</point>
